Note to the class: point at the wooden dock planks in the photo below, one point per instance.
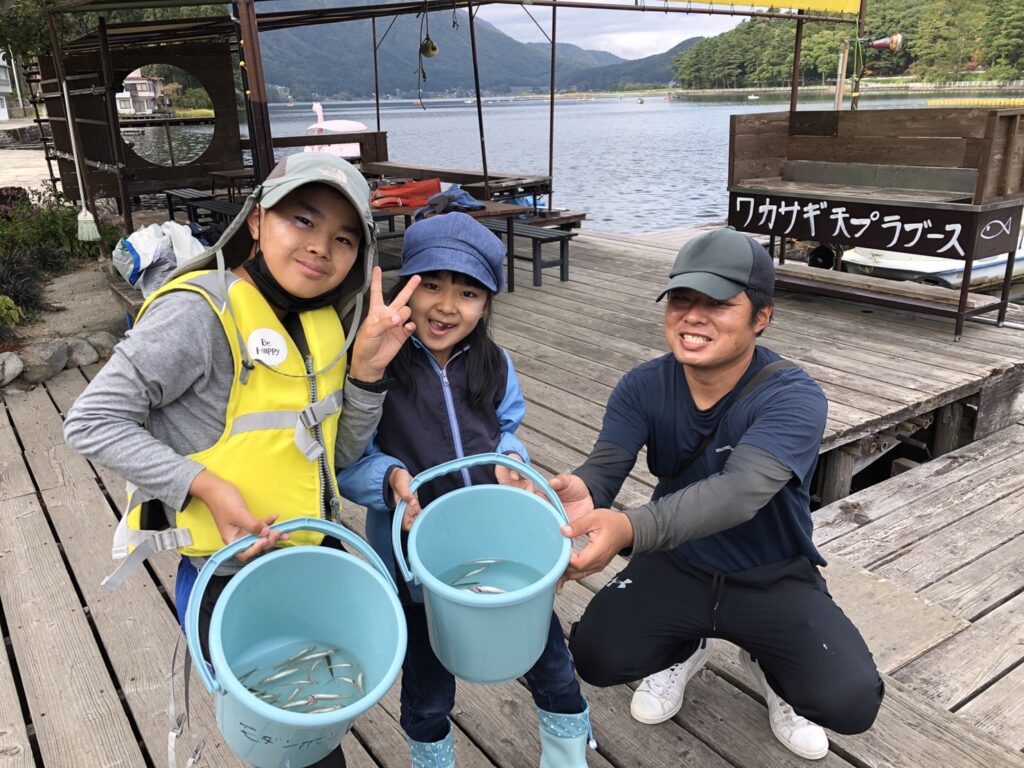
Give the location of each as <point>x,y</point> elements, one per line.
<point>945,625</point>
<point>952,530</point>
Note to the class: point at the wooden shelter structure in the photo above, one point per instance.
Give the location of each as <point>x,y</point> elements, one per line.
<point>94,66</point>
<point>936,182</point>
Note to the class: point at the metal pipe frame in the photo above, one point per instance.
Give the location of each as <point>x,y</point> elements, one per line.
<point>330,15</point>
<point>551,117</point>
<point>479,102</point>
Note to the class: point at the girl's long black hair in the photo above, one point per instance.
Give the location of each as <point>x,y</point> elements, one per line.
<point>483,356</point>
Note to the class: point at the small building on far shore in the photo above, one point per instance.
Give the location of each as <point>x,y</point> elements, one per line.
<point>141,94</point>
<point>6,85</point>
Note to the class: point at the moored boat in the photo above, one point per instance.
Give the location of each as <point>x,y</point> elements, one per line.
<point>933,270</point>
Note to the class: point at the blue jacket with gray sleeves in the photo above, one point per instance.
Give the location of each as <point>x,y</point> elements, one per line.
<point>419,430</point>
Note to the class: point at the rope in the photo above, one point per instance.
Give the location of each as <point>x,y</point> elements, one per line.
<point>858,72</point>
<point>421,73</point>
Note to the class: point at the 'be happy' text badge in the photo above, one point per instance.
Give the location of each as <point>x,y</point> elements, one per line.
<point>268,346</point>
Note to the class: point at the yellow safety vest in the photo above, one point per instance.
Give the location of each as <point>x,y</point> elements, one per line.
<point>280,425</point>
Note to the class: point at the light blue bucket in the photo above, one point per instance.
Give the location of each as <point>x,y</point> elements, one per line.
<point>486,638</point>
<point>285,600</point>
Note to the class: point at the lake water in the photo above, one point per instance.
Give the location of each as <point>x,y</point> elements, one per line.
<point>633,167</point>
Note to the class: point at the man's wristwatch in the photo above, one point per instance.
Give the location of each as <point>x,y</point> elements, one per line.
<point>376,387</point>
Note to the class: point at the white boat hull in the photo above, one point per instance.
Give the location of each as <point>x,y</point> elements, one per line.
<point>948,273</point>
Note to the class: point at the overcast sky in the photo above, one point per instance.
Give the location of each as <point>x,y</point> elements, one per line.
<point>629,34</point>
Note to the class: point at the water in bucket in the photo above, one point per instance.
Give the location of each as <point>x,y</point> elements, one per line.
<point>270,627</point>
<point>310,679</point>
<point>488,558</point>
<point>490,576</point>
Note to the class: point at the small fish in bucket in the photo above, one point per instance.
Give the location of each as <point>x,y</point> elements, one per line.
<point>294,667</point>
<point>488,558</point>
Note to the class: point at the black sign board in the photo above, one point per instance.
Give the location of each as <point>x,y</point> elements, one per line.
<point>949,233</point>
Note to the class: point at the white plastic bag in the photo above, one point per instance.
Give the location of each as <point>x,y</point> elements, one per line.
<point>149,254</point>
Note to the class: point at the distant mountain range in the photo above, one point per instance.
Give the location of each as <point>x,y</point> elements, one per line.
<point>336,60</point>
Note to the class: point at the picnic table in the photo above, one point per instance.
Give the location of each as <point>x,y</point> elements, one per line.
<point>235,181</point>
<point>503,185</point>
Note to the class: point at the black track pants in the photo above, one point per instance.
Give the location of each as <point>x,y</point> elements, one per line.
<point>658,609</point>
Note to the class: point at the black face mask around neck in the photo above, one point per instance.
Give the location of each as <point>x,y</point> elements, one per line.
<point>278,296</point>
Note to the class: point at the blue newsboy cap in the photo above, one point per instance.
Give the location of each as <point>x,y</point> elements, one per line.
<point>454,242</point>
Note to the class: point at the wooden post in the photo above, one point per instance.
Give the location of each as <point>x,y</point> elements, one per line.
<point>170,144</point>
<point>844,53</point>
<point>114,125</point>
<point>262,141</point>
<point>947,429</point>
<point>795,84</point>
<point>837,478</point>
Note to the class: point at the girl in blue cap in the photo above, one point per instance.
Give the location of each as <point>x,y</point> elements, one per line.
<point>454,393</point>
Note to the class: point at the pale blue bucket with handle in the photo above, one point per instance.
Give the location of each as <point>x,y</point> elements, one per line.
<point>486,638</point>
<point>288,599</point>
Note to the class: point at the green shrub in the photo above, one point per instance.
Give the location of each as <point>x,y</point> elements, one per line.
<point>21,280</point>
<point>10,198</point>
<point>9,317</point>
<point>38,239</point>
<point>49,221</point>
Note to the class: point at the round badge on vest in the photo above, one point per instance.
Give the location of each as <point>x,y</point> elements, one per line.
<point>268,346</point>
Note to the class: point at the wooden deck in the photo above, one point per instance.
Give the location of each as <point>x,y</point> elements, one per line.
<point>928,564</point>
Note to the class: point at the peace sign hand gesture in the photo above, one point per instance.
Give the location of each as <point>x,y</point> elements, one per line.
<point>383,332</point>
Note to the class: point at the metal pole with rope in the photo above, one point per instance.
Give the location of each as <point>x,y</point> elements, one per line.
<point>551,118</point>
<point>479,102</point>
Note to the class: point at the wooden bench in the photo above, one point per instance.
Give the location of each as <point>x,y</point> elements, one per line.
<point>556,218</point>
<point>391,233</point>
<point>184,194</point>
<point>236,181</point>
<point>130,299</point>
<point>220,211</point>
<point>538,236</point>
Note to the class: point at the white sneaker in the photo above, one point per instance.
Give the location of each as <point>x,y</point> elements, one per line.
<point>660,696</point>
<point>798,734</point>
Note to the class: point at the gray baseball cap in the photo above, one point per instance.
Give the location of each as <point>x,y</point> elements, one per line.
<point>721,264</point>
<point>292,172</point>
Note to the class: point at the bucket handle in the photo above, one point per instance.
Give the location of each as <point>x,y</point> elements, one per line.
<point>239,545</point>
<point>457,465</point>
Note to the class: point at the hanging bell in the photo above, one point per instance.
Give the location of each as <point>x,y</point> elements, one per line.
<point>428,48</point>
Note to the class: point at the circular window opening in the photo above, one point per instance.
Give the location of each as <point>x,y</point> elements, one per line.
<point>166,115</point>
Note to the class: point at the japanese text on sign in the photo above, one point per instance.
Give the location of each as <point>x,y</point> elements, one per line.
<point>943,232</point>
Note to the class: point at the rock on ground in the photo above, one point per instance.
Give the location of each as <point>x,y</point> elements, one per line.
<point>43,360</point>
<point>11,367</point>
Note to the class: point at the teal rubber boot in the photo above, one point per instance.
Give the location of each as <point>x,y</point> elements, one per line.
<point>564,739</point>
<point>433,754</point>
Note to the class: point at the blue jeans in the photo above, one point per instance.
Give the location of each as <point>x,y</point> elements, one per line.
<point>428,689</point>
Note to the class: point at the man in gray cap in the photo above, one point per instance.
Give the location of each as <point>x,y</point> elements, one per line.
<point>724,549</point>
